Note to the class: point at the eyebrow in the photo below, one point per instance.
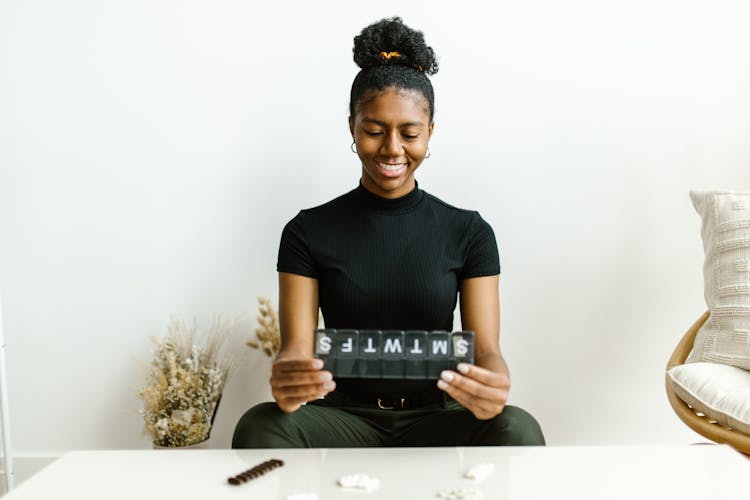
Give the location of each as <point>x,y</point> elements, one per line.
<point>383,124</point>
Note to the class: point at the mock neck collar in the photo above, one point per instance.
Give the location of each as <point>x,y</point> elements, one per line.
<point>390,205</point>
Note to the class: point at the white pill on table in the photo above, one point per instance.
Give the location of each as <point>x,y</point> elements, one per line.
<point>479,472</point>
<point>359,482</point>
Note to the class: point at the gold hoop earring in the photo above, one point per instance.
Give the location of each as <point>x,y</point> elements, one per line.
<point>353,147</point>
<point>428,153</point>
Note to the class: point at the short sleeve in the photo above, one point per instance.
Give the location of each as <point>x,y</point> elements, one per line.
<point>482,256</point>
<point>294,251</point>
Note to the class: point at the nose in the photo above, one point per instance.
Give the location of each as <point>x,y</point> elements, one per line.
<point>391,145</point>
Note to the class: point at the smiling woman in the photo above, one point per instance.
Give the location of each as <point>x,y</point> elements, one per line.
<point>391,132</point>
<point>391,106</point>
<point>389,257</point>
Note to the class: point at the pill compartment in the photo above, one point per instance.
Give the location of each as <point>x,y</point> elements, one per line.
<point>392,358</point>
<point>463,346</point>
<point>440,353</point>
<point>370,348</point>
<point>347,351</point>
<point>325,339</point>
<point>415,354</point>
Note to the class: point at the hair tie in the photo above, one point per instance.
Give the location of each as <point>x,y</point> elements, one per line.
<point>388,55</point>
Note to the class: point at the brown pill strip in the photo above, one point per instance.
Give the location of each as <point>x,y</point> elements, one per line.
<point>255,472</point>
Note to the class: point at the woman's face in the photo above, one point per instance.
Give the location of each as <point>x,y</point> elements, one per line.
<point>391,131</point>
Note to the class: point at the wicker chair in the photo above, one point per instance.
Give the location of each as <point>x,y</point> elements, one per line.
<point>697,421</point>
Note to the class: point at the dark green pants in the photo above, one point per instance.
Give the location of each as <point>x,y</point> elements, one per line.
<point>333,423</point>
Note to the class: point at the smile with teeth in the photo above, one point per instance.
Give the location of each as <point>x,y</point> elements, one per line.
<point>392,167</point>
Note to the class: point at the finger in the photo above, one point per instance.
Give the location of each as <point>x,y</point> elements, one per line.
<point>483,375</point>
<point>297,364</point>
<point>292,404</point>
<point>473,387</point>
<point>289,405</point>
<point>467,399</point>
<point>305,391</point>
<point>481,408</point>
<point>285,379</point>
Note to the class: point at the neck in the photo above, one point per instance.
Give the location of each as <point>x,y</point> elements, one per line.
<point>392,206</point>
<point>399,191</point>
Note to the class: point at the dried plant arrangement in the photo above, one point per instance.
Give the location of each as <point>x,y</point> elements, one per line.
<point>267,332</point>
<point>184,385</point>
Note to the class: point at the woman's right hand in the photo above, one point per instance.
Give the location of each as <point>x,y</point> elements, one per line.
<point>295,381</point>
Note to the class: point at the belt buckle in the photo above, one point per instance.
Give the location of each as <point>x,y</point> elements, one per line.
<point>398,404</point>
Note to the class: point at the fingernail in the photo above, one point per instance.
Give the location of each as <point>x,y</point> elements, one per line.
<point>442,385</point>
<point>328,386</point>
<point>326,376</point>
<point>317,363</point>
<point>463,368</point>
<point>446,375</point>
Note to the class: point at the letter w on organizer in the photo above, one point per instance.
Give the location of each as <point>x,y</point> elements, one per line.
<point>392,345</point>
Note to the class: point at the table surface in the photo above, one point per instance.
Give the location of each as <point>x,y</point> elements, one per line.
<point>606,472</point>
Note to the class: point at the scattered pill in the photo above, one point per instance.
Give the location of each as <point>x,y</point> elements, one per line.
<point>479,472</point>
<point>359,482</point>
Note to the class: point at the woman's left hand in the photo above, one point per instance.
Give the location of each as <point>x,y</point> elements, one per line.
<point>481,391</point>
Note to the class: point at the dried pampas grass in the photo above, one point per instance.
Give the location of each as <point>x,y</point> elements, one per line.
<point>267,332</point>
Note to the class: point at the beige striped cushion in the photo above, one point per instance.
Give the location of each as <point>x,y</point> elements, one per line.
<point>725,337</point>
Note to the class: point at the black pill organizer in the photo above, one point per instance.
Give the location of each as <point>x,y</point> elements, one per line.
<point>392,354</point>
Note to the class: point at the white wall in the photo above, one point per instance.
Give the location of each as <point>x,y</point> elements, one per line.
<point>150,153</point>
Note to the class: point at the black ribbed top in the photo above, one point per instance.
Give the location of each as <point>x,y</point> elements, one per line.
<point>388,264</point>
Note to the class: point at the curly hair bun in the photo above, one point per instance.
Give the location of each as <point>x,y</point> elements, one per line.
<point>391,42</point>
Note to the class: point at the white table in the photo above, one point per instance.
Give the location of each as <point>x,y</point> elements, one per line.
<point>601,473</point>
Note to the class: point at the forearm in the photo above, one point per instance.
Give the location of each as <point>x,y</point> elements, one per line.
<point>298,315</point>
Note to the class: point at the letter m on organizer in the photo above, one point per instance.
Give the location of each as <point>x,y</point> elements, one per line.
<point>440,346</point>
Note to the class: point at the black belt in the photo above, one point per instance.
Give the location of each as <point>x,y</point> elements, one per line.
<point>391,402</point>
